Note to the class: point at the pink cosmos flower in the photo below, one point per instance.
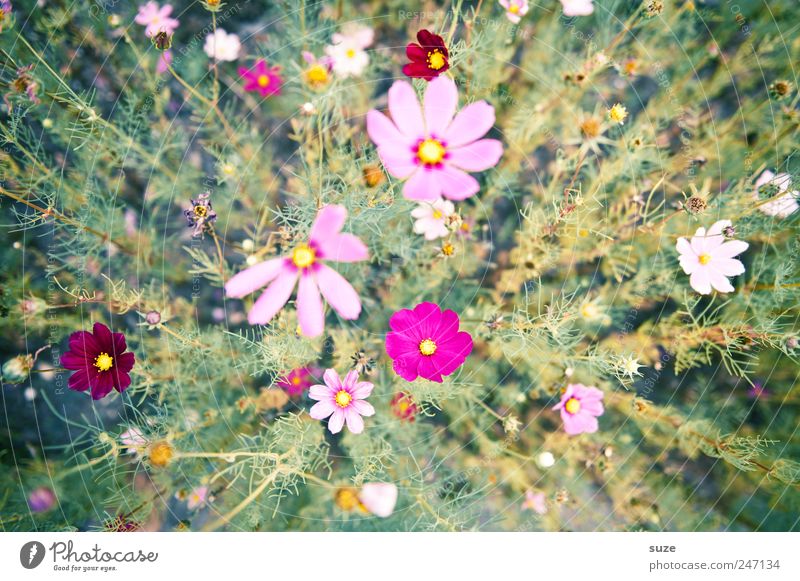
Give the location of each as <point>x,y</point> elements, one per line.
<point>156,19</point>
<point>577,7</point>
<point>343,401</point>
<point>515,9</point>
<point>535,501</point>
<point>709,259</point>
<point>306,263</point>
<point>197,497</point>
<point>379,498</point>
<point>426,342</point>
<point>298,380</point>
<point>784,202</point>
<point>262,78</point>
<point>580,407</point>
<point>432,150</point>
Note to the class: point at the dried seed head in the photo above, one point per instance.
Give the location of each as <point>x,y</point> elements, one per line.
<point>695,205</point>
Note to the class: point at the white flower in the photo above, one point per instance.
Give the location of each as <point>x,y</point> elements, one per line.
<point>785,202</point>
<point>432,218</point>
<point>515,9</point>
<point>709,259</point>
<point>347,51</point>
<point>545,459</point>
<point>379,498</point>
<point>222,46</point>
<point>577,7</point>
<point>629,366</point>
<point>197,497</point>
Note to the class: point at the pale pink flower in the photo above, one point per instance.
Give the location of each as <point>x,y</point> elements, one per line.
<point>784,202</point>
<point>535,501</point>
<point>709,259</point>
<point>577,7</point>
<point>432,150</point>
<point>580,407</point>
<point>347,54</point>
<point>222,46</point>
<point>156,19</point>
<point>197,497</point>
<point>133,440</point>
<point>515,9</point>
<point>343,401</point>
<point>379,498</point>
<point>432,218</point>
<point>306,263</point>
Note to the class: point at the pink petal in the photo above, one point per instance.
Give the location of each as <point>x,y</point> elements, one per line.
<point>398,162</point>
<point>328,223</point>
<point>336,422</point>
<point>456,184</point>
<point>379,498</point>
<point>477,156</point>
<point>363,407</point>
<point>253,278</point>
<point>720,282</point>
<point>683,246</point>
<point>362,390</point>
<point>322,409</point>
<point>309,307</point>
<point>354,422</point>
<point>350,379</point>
<point>344,248</point>
<point>338,292</point>
<point>406,366</point>
<point>441,99</point>
<point>427,318</point>
<point>731,249</point>
<point>383,132</point>
<point>453,353</point>
<point>71,360</point>
<point>321,392</point>
<point>398,345</point>
<point>423,185</point>
<point>728,266</point>
<point>404,107</point>
<point>700,281</point>
<point>428,370</point>
<point>273,299</point>
<point>332,379</point>
<point>471,123</point>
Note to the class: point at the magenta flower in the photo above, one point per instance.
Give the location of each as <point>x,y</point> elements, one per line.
<point>430,149</point>
<point>580,407</point>
<point>262,78</point>
<point>100,361</point>
<point>426,342</point>
<point>156,19</point>
<point>298,380</point>
<point>343,401</point>
<point>326,242</point>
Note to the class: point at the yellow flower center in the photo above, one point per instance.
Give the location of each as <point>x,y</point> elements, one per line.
<point>200,211</point>
<point>104,362</point>
<point>431,152</point>
<point>317,74</point>
<point>263,81</point>
<point>704,258</point>
<point>427,347</point>
<point>351,53</point>
<point>437,215</point>
<point>436,59</point>
<point>343,398</point>
<point>513,9</point>
<point>589,311</point>
<point>573,406</point>
<point>304,256</point>
<point>448,249</point>
<point>295,381</point>
<point>618,113</point>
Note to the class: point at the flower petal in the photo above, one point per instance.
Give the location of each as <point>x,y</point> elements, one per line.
<point>320,392</point>
<point>332,379</point>
<point>362,390</point>
<point>477,156</point>
<point>731,249</point>
<point>253,278</point>
<point>363,407</point>
<point>322,409</point>
<point>273,299</point>
<point>456,184</point>
<point>728,266</point>
<point>700,281</point>
<point>354,422</point>
<point>720,282</point>
<point>344,248</point>
<point>441,100</point>
<point>338,292</point>
<point>310,312</point>
<point>423,185</point>
<point>382,130</point>
<point>336,422</point>
<point>79,381</point>
<point>328,223</point>
<point>404,107</point>
<point>470,124</point>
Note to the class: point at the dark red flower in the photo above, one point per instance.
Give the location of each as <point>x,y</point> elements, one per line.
<point>429,57</point>
<point>403,406</point>
<point>99,360</point>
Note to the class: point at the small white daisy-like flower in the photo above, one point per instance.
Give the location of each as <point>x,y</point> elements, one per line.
<point>431,218</point>
<point>629,366</point>
<point>709,258</point>
<point>222,46</point>
<point>348,51</point>
<point>784,203</point>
